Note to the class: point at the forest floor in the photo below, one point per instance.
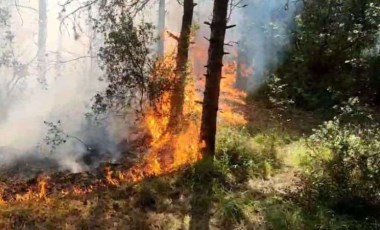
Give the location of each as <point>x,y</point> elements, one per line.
<point>258,198</point>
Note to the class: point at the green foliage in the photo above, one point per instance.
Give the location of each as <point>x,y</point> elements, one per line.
<point>333,55</point>
<point>344,167</point>
<point>55,136</point>
<point>231,210</point>
<point>127,62</point>
<point>280,214</point>
<point>241,156</point>
<point>234,155</point>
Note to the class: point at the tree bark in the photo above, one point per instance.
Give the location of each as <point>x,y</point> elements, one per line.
<point>161,27</point>
<point>213,77</point>
<point>42,37</point>
<point>178,94</point>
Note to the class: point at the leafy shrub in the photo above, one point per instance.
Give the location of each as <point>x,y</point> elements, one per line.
<point>345,160</point>
<point>231,211</point>
<point>236,155</point>
<point>233,154</point>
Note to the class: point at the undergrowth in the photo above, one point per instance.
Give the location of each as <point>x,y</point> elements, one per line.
<point>255,181</point>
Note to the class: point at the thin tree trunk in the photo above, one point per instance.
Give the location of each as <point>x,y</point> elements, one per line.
<point>42,37</point>
<point>161,28</point>
<point>242,62</point>
<point>58,57</point>
<point>213,77</point>
<point>178,95</point>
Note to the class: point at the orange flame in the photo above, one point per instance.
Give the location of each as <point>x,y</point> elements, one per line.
<point>167,152</point>
<point>108,174</point>
<point>170,152</point>
<point>2,201</point>
<point>232,100</point>
<point>39,193</point>
<point>42,184</point>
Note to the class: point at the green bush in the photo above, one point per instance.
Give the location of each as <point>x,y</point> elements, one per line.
<point>344,167</point>
<point>242,156</point>
<point>234,155</point>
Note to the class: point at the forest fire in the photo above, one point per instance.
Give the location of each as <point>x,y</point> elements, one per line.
<point>167,152</point>
<point>219,114</point>
<point>38,192</point>
<point>232,99</point>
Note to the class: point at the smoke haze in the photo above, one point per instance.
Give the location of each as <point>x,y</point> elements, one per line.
<point>72,75</point>
<point>71,84</point>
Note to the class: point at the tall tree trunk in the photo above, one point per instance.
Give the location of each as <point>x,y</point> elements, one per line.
<point>213,77</point>
<point>178,95</point>
<point>42,37</point>
<point>161,27</point>
<point>58,57</point>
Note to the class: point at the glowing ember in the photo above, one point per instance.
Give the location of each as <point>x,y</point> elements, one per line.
<point>39,193</point>
<point>80,191</point>
<point>108,174</point>
<point>2,201</point>
<point>42,184</point>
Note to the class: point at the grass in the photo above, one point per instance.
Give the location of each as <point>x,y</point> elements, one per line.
<point>249,186</point>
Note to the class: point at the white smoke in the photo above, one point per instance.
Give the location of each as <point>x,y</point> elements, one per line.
<point>262,27</point>
<point>67,97</point>
<point>264,34</point>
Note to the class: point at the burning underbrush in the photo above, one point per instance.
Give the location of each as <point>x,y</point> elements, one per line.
<point>160,151</point>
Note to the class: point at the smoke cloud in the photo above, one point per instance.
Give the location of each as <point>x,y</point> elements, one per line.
<point>72,76</point>
<point>264,34</point>
<point>72,81</point>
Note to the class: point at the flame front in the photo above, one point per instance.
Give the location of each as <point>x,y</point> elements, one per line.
<point>37,193</point>
<point>167,152</point>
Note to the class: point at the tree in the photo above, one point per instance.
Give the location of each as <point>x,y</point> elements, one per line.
<point>161,27</point>
<point>178,93</point>
<point>126,59</point>
<point>131,8</point>
<point>42,37</point>
<point>329,59</point>
<point>213,77</point>
<point>14,71</point>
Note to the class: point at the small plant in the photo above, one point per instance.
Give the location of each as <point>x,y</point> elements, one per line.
<point>267,170</point>
<point>242,156</point>
<point>234,155</point>
<point>345,161</point>
<point>231,211</point>
<point>56,136</point>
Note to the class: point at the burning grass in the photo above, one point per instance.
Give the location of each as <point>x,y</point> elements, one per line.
<point>167,152</point>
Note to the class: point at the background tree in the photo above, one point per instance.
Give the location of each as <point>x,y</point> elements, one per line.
<point>14,70</point>
<point>178,95</point>
<point>333,55</point>
<point>127,62</point>
<point>213,76</point>
<point>42,37</point>
<point>109,20</point>
<point>161,27</point>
